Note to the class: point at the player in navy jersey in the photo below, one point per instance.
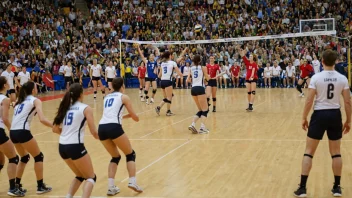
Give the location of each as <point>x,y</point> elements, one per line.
<point>73,115</point>
<point>151,75</point>
<point>112,135</point>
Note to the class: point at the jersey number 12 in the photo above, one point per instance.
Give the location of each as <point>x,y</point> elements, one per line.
<point>330,92</point>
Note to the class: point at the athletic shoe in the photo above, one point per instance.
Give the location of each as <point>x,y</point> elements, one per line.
<point>113,191</point>
<point>135,187</point>
<point>151,100</point>
<point>336,191</point>
<point>193,129</point>
<point>142,99</point>
<point>301,95</point>
<point>250,109</point>
<point>15,193</point>
<point>147,101</point>
<point>43,189</point>
<point>301,192</point>
<point>169,113</point>
<point>203,131</point>
<point>157,110</point>
<point>19,187</point>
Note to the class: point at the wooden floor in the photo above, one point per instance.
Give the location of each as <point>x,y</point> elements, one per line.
<point>250,155</point>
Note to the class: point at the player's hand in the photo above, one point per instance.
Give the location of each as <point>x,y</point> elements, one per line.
<point>250,78</point>
<point>305,124</point>
<point>95,135</point>
<point>346,127</point>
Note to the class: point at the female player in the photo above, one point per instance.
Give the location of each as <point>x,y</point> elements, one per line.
<point>10,77</point>
<point>151,74</point>
<point>95,74</point>
<point>213,70</point>
<point>110,74</point>
<point>112,135</point>
<point>168,66</point>
<point>251,76</point>
<point>68,73</point>
<point>73,114</point>
<point>141,77</point>
<point>198,73</point>
<point>306,73</point>
<point>26,107</point>
<point>6,146</point>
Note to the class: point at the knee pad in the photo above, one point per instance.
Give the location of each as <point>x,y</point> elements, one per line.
<point>335,156</point>
<point>145,92</point>
<point>95,92</point>
<point>147,97</point>
<point>214,99</point>
<point>81,179</point>
<point>173,95</point>
<point>168,101</point>
<point>131,157</point>
<point>92,180</point>
<point>140,89</point>
<point>14,160</point>
<point>165,100</point>
<point>208,99</point>
<point>249,93</point>
<point>205,113</point>
<point>199,113</point>
<point>39,158</point>
<point>25,158</point>
<point>253,92</point>
<point>103,92</point>
<point>115,160</point>
<point>311,156</point>
<point>154,91</point>
<point>1,167</point>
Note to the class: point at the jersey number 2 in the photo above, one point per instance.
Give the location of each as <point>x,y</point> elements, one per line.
<point>330,91</point>
<point>108,103</point>
<point>68,119</point>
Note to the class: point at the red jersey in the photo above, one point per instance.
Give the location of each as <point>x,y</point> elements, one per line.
<point>212,69</point>
<point>250,67</point>
<point>141,71</point>
<point>235,70</point>
<point>306,70</point>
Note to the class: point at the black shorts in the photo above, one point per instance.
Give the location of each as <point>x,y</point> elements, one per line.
<point>197,91</point>
<point>212,83</point>
<point>95,78</point>
<point>165,83</point>
<point>3,136</point>
<point>149,80</point>
<point>20,136</point>
<point>325,120</point>
<point>252,81</point>
<point>110,79</point>
<point>110,131</point>
<point>72,151</point>
<point>11,91</point>
<point>68,79</point>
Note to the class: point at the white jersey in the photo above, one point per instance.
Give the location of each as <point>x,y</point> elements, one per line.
<point>268,72</point>
<point>2,97</point>
<point>110,72</point>
<point>74,125</point>
<point>96,70</point>
<point>316,66</point>
<point>276,71</point>
<point>329,86</point>
<point>9,77</point>
<point>24,77</point>
<point>167,70</point>
<point>113,109</point>
<point>68,71</point>
<point>197,76</point>
<point>186,71</point>
<point>23,114</point>
<point>291,71</point>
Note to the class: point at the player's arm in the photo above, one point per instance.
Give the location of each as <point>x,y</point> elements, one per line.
<point>88,114</point>
<point>142,56</point>
<point>309,103</point>
<point>131,114</point>
<point>188,77</point>
<point>90,72</point>
<point>57,129</point>
<point>160,72</point>
<point>181,56</point>
<point>42,118</point>
<point>157,52</point>
<point>5,112</point>
<point>205,72</point>
<point>347,100</point>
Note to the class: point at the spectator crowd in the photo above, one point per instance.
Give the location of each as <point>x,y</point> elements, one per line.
<point>43,37</point>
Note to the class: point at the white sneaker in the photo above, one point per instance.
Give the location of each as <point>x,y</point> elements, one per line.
<point>301,95</point>
<point>193,129</point>
<point>147,102</point>
<point>135,187</point>
<point>113,191</point>
<point>142,99</point>
<point>151,100</point>
<point>203,131</point>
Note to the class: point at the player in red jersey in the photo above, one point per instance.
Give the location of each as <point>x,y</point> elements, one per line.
<point>235,74</point>
<point>307,72</point>
<point>212,85</point>
<point>251,76</point>
<point>141,77</point>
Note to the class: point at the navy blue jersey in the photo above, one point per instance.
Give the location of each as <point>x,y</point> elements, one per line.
<point>150,69</point>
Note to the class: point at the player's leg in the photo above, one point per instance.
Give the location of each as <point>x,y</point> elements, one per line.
<point>213,93</point>
<point>208,93</point>
<point>168,91</point>
<point>102,87</point>
<point>95,88</point>
<point>192,127</point>
<point>249,93</point>
<point>300,84</point>
<point>24,159</point>
<point>253,88</point>
<point>155,88</point>
<point>84,165</point>
<point>77,181</point>
<point>158,108</point>
<point>146,90</point>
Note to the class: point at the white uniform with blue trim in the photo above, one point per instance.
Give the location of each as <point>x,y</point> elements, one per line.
<point>197,76</point>
<point>168,69</point>
<point>113,109</point>
<point>2,97</point>
<point>23,114</point>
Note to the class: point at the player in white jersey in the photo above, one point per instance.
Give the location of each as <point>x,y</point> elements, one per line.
<point>291,75</point>
<point>110,74</point>
<point>68,75</point>
<point>197,74</point>
<point>325,89</point>
<point>167,68</point>
<point>186,71</point>
<point>23,76</point>
<point>112,135</point>
<point>95,74</point>
<point>6,146</point>
<point>27,106</point>
<point>73,116</point>
<point>11,78</point>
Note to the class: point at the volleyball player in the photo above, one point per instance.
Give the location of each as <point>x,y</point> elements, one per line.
<point>68,73</point>
<point>11,78</point>
<point>95,74</point>
<point>110,74</point>
<point>325,89</point>
<point>6,146</point>
<point>112,135</point>
<point>213,70</point>
<point>73,115</point>
<point>251,77</point>
<point>198,73</point>
<point>291,74</point>
<point>306,73</point>
<point>151,74</point>
<point>26,107</point>
<point>167,68</point>
<point>141,77</point>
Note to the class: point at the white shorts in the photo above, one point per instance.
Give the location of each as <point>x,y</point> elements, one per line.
<point>226,76</point>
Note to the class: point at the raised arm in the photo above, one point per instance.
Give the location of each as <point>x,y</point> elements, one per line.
<point>181,55</point>
<point>142,56</point>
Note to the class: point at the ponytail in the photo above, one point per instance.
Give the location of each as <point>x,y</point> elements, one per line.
<point>26,90</point>
<point>72,95</point>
